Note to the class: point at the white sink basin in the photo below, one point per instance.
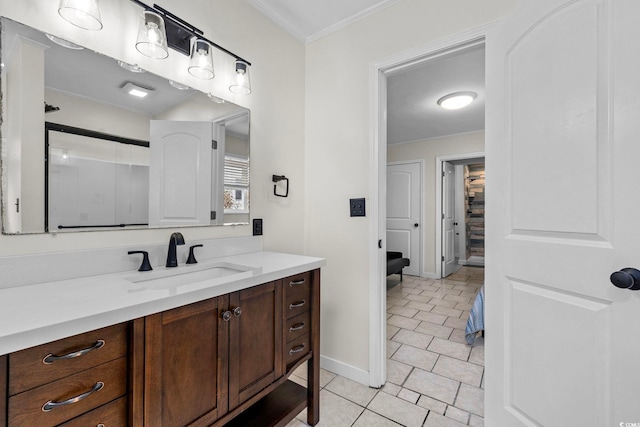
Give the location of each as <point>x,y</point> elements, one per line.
<point>186,275</point>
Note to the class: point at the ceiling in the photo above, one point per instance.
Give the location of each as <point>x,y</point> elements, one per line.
<point>412,93</point>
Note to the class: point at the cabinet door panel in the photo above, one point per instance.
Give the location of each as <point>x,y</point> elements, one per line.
<point>3,391</point>
<point>184,352</point>
<point>255,341</point>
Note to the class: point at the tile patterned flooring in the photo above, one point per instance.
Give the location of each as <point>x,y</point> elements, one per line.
<point>434,379</point>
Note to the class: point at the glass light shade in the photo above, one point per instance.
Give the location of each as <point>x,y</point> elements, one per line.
<point>152,36</point>
<point>81,13</point>
<point>240,82</point>
<point>201,63</point>
<point>455,101</point>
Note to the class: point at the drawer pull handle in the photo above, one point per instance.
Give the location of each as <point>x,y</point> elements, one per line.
<point>296,283</point>
<point>52,405</point>
<point>297,304</point>
<point>226,316</point>
<point>50,358</point>
<point>297,327</point>
<point>297,349</point>
<point>237,311</point>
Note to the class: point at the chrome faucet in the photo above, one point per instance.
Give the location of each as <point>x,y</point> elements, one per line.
<point>175,239</point>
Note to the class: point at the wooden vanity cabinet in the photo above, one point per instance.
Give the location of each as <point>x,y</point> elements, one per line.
<point>3,391</point>
<point>225,361</point>
<point>57,383</point>
<point>186,365</point>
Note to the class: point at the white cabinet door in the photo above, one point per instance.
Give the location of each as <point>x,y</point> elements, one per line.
<point>180,173</point>
<point>562,344</point>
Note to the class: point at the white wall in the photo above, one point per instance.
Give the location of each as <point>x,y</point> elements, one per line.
<point>337,150</point>
<point>428,151</point>
<point>276,104</point>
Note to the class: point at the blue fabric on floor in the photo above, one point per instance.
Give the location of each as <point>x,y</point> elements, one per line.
<point>475,323</point>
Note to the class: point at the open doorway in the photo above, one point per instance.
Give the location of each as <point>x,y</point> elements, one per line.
<point>460,143</point>
<point>461,231</point>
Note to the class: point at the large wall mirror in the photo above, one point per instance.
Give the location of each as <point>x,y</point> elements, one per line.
<point>91,143</point>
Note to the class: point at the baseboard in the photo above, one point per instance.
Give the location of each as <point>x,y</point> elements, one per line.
<point>351,372</point>
<point>429,275</point>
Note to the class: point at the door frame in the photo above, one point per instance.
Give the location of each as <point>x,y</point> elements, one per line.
<point>378,72</point>
<point>438,168</point>
<point>421,204</point>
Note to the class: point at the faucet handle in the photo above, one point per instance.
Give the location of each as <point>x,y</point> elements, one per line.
<point>146,265</point>
<point>192,257</point>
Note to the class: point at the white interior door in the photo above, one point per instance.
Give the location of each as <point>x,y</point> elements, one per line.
<point>448,216</point>
<point>404,199</point>
<point>180,173</point>
<point>562,345</point>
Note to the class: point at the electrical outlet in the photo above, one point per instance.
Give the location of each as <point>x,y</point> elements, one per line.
<point>356,207</point>
<point>257,226</point>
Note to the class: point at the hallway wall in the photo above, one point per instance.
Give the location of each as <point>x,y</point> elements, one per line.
<point>428,151</point>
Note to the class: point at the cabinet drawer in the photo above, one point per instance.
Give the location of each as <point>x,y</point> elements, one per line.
<point>297,326</point>
<point>297,304</point>
<point>297,349</point>
<point>298,283</point>
<point>27,409</point>
<point>45,363</point>
<point>112,414</point>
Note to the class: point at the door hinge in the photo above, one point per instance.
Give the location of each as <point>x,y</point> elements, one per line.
<point>442,173</point>
<point>442,216</point>
<point>443,258</point>
<point>214,144</point>
<point>213,215</point>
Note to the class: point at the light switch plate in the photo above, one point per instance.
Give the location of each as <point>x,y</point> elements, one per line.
<point>257,226</point>
<point>357,207</point>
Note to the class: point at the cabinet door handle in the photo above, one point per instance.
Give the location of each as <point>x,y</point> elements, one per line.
<point>297,349</point>
<point>296,283</point>
<point>297,304</point>
<point>296,327</point>
<point>237,311</point>
<point>52,405</point>
<point>226,316</point>
<point>50,358</point>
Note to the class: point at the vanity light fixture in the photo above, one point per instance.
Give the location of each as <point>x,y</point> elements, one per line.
<point>178,85</point>
<point>240,82</point>
<point>201,62</point>
<point>152,36</point>
<point>455,101</point>
<point>188,40</point>
<point>81,13</point>
<point>215,99</point>
<point>134,68</point>
<point>63,42</point>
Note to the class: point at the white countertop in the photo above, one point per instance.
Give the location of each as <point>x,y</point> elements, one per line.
<point>36,314</point>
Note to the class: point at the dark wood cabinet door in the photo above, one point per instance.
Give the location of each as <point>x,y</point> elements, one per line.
<point>186,365</point>
<point>255,341</point>
<point>3,391</point>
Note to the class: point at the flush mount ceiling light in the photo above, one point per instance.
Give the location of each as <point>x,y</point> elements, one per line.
<point>188,40</point>
<point>81,13</point>
<point>63,42</point>
<point>240,82</point>
<point>131,67</point>
<point>152,36</point>
<point>455,101</point>
<point>201,62</point>
<point>136,90</point>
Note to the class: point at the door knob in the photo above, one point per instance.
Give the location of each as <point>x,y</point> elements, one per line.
<point>627,278</point>
<point>415,225</point>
